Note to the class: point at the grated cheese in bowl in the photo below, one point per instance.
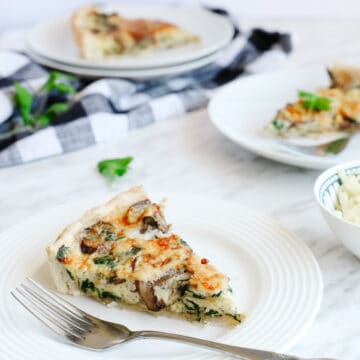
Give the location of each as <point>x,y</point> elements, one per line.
<point>348,204</point>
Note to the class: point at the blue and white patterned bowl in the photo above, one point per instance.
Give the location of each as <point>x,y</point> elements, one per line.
<point>325,191</point>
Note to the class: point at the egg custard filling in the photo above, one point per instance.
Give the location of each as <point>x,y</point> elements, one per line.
<point>125,252</point>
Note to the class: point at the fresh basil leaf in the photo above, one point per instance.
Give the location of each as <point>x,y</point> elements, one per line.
<point>64,88</point>
<point>56,109</point>
<point>114,167</point>
<point>315,102</point>
<point>42,120</point>
<point>24,99</point>
<point>60,82</point>
<point>54,74</point>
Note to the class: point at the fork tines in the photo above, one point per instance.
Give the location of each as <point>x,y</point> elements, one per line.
<point>55,312</point>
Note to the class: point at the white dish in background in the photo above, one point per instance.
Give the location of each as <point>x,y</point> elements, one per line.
<point>241,110</point>
<point>136,74</point>
<point>325,192</point>
<point>53,39</point>
<point>275,277</point>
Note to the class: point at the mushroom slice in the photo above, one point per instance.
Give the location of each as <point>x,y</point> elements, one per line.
<point>162,292</point>
<point>147,294</point>
<point>136,210</point>
<point>95,236</point>
<point>154,221</point>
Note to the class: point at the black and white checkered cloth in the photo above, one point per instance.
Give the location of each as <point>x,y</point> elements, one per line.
<point>106,109</point>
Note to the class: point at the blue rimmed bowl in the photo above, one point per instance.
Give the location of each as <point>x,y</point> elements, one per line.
<point>325,191</point>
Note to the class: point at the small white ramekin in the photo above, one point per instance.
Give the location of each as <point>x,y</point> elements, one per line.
<point>325,191</point>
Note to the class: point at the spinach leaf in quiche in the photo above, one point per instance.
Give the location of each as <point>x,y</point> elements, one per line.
<point>105,260</point>
<point>62,252</point>
<point>216,294</point>
<point>133,251</point>
<point>212,312</point>
<point>87,285</point>
<point>194,294</point>
<point>278,125</point>
<point>108,295</point>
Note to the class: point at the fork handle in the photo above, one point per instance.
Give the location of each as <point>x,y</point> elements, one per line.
<point>242,352</point>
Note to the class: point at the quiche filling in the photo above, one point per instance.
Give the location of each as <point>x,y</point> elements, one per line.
<point>130,255</point>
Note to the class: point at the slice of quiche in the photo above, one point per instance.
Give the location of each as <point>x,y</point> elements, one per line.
<point>99,34</point>
<point>124,251</point>
<point>331,110</point>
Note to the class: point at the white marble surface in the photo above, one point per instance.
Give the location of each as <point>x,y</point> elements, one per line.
<point>189,155</point>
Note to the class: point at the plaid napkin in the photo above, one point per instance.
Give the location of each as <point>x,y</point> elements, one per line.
<point>106,109</point>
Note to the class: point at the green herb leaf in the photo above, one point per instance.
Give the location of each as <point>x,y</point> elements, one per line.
<point>114,167</point>
<point>194,294</point>
<point>133,251</point>
<point>62,252</point>
<point>87,285</point>
<point>109,295</point>
<point>24,100</point>
<point>56,109</point>
<point>336,146</point>
<point>104,260</point>
<point>277,124</point>
<point>183,242</point>
<point>237,317</point>
<point>59,81</point>
<point>216,294</point>
<point>70,274</point>
<point>42,120</point>
<point>212,312</point>
<point>314,102</point>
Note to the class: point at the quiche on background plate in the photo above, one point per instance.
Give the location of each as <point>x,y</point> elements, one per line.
<point>124,251</point>
<point>331,110</point>
<point>100,34</point>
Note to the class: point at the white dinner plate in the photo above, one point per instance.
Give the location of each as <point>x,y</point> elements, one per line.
<point>54,39</point>
<point>241,109</point>
<point>136,74</point>
<point>275,277</point>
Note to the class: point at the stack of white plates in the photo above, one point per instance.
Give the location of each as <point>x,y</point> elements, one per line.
<point>52,44</point>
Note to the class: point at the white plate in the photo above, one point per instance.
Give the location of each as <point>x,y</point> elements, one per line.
<point>274,275</point>
<point>241,109</point>
<point>137,74</point>
<point>54,39</point>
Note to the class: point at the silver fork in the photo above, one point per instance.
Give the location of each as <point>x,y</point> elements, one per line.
<point>92,333</point>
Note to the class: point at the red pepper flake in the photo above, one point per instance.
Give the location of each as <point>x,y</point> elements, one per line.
<point>165,261</point>
<point>164,242</point>
<point>204,261</point>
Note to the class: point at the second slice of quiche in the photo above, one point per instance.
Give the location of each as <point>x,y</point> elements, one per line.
<point>124,251</point>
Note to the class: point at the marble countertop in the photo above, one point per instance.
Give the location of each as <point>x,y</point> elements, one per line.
<point>189,154</point>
